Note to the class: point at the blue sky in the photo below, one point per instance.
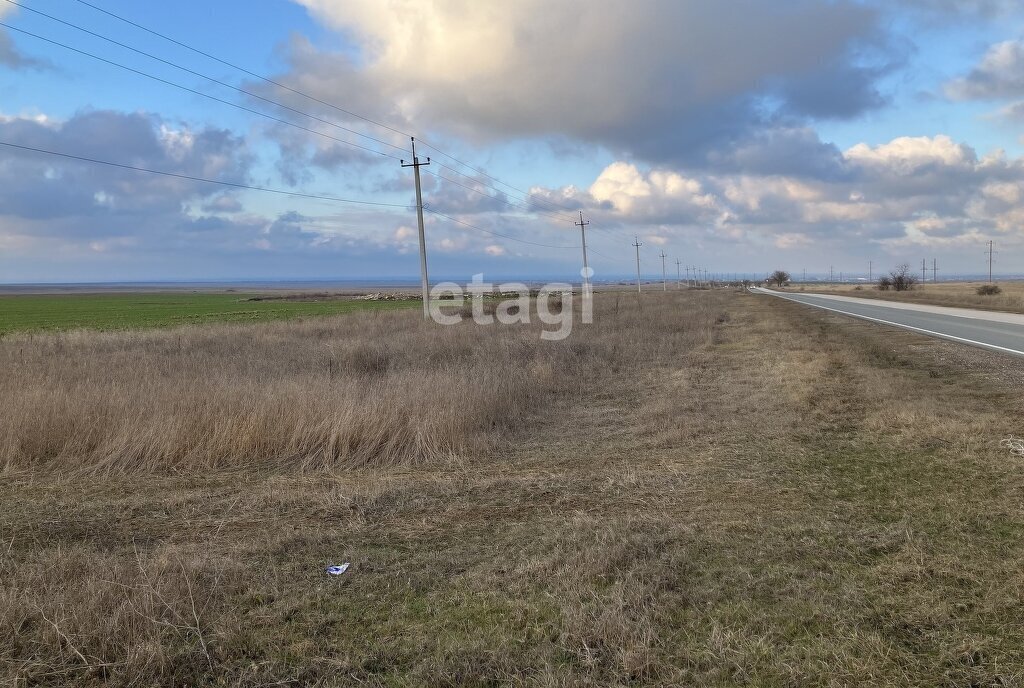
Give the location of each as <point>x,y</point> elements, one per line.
<point>740,136</point>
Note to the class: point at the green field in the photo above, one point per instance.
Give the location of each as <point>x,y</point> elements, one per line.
<point>130,311</point>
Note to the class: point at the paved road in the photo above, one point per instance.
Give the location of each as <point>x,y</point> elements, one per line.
<point>997,331</point>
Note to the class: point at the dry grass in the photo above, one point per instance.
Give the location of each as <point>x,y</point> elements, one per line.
<point>380,389</point>
<point>956,294</point>
<point>735,490</point>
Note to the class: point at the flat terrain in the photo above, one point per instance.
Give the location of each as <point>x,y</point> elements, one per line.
<point>720,489</point>
<point>116,311</point>
<point>955,294</point>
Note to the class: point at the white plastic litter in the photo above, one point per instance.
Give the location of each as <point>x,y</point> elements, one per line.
<point>1014,444</point>
<point>338,570</point>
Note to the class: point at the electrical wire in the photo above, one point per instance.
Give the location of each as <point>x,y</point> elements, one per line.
<point>502,198</point>
<point>283,192</point>
<point>529,196</point>
<point>492,232</point>
<point>205,76</point>
<point>195,92</point>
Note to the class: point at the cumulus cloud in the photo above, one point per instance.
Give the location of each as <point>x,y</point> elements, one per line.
<point>655,196</point>
<point>301,155</point>
<point>38,186</point>
<point>999,75</point>
<point>575,68</point>
<point>465,196</point>
<point>911,190</point>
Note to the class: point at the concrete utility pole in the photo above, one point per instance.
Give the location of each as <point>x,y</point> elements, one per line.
<point>831,276</point>
<point>870,271</point>
<point>583,235</point>
<point>990,262</point>
<point>924,270</point>
<point>416,165</point>
<point>679,274</point>
<point>637,245</point>
<point>805,275</point>
<point>664,279</point>
<point>935,270</point>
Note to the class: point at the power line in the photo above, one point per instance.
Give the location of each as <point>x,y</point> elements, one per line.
<point>528,195</point>
<point>241,69</point>
<point>325,103</point>
<point>177,175</point>
<point>495,233</point>
<point>500,199</point>
<point>267,100</point>
<point>205,76</point>
<point>198,93</point>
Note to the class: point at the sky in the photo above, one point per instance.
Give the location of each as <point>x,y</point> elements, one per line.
<point>740,136</point>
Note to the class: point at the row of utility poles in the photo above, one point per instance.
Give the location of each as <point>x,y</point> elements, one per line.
<point>989,252</point>
<point>699,275</point>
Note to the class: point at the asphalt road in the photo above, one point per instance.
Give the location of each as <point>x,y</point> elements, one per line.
<point>990,330</point>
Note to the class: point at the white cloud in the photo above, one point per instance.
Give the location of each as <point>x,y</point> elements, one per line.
<point>535,68</point>
<point>494,250</point>
<point>906,155</point>
<point>654,194</point>
<point>999,74</point>
<point>923,190</point>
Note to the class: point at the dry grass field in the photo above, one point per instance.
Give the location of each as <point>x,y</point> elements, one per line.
<point>720,489</point>
<point>956,294</point>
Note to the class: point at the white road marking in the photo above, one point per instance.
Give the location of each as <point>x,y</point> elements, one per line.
<point>941,335</point>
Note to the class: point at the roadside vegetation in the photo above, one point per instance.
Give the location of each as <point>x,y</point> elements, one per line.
<point>719,489</point>
<point>1007,297</point>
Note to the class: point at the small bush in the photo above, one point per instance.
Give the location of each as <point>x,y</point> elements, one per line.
<point>858,288</point>
<point>989,290</point>
<point>884,283</point>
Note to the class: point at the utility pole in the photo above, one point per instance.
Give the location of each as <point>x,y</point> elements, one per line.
<point>990,262</point>
<point>871,277</point>
<point>416,165</point>
<point>637,245</point>
<point>831,276</point>
<point>664,280</point>
<point>805,275</point>
<point>583,235</point>
<point>935,270</point>
<point>924,270</point>
<point>679,275</point>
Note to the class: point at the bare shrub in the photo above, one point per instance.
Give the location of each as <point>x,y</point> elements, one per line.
<point>989,290</point>
<point>902,278</point>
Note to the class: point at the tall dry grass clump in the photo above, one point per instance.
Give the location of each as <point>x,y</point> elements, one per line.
<point>378,388</point>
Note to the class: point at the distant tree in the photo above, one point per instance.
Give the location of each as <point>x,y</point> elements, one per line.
<point>779,278</point>
<point>903,278</point>
<point>884,283</point>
